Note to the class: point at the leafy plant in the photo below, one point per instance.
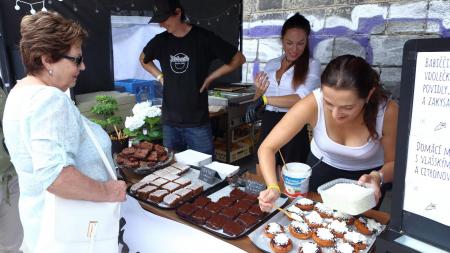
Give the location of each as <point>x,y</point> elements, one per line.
<point>105,108</point>
<point>145,124</point>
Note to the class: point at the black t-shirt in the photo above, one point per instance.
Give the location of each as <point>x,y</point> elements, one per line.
<point>185,63</point>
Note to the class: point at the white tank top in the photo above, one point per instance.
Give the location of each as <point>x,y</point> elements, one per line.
<point>367,156</point>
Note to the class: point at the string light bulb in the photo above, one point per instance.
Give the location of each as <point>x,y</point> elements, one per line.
<point>17,7</point>
<point>32,11</point>
<point>43,6</point>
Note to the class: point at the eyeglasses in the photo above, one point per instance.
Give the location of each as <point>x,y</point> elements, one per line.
<point>77,60</point>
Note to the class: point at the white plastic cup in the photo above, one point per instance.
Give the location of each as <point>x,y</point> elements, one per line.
<point>296,179</point>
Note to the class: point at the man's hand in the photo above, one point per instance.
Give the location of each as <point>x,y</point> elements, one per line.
<point>253,108</point>
<point>205,85</point>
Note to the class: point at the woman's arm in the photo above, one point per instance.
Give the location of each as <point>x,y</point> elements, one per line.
<point>388,141</point>
<point>302,113</point>
<point>72,184</point>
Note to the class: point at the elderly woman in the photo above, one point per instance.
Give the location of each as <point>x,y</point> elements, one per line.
<point>354,128</point>
<point>44,131</point>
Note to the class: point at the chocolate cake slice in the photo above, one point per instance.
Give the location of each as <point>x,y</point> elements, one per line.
<point>201,216</point>
<point>230,213</point>
<point>216,221</point>
<point>201,201</point>
<point>186,210</point>
<point>233,228</point>
<point>247,220</point>
<point>213,207</point>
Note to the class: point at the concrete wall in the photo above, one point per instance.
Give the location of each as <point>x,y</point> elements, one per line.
<point>374,30</point>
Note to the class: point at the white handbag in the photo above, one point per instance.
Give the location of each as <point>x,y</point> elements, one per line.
<point>80,226</point>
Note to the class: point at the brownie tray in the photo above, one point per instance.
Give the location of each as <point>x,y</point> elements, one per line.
<point>191,174</point>
<point>225,191</point>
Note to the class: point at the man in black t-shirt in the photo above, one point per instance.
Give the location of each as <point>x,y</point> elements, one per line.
<point>185,53</point>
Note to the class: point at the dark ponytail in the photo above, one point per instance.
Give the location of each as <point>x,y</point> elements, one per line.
<point>301,65</point>
<point>351,72</point>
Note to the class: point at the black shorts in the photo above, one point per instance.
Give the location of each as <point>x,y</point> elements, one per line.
<point>296,150</point>
<point>323,173</point>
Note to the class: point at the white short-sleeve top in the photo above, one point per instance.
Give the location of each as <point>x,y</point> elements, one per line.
<point>312,81</point>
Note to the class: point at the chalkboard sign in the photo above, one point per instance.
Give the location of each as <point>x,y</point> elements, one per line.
<point>420,207</point>
<point>207,175</point>
<point>254,187</point>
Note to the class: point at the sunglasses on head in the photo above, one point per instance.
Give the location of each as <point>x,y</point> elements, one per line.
<point>77,60</point>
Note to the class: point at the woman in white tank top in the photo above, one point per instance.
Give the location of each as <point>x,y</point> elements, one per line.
<point>355,129</point>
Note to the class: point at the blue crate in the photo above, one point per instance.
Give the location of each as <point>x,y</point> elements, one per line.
<point>143,89</point>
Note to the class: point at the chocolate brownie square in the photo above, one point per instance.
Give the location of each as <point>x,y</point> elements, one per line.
<point>172,170</point>
<point>201,216</point>
<point>182,167</point>
<point>128,151</point>
<point>184,193</point>
<point>152,157</point>
<point>171,186</point>
<point>159,182</point>
<point>138,186</point>
<point>201,201</point>
<point>242,205</point>
<point>186,210</point>
<point>226,201</point>
<point>213,207</point>
<point>170,177</point>
<point>256,211</point>
<point>149,178</point>
<point>233,228</point>
<point>183,181</point>
<point>145,145</point>
<point>237,193</point>
<point>230,213</point>
<point>145,191</point>
<point>247,220</point>
<point>216,221</point>
<point>250,197</point>
<point>171,199</point>
<point>160,173</point>
<point>140,153</point>
<point>157,196</point>
<point>196,188</point>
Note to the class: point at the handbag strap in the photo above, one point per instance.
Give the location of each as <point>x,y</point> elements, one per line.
<point>99,150</point>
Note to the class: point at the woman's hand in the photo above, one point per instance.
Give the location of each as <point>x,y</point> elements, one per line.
<point>267,199</point>
<point>261,84</point>
<point>115,190</point>
<point>372,180</point>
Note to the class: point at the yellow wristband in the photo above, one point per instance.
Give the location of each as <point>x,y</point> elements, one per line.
<point>274,186</point>
<point>160,76</point>
<point>264,98</point>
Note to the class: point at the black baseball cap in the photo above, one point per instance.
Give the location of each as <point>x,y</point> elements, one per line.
<point>163,9</point>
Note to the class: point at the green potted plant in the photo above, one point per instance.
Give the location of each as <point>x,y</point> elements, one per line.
<point>105,109</point>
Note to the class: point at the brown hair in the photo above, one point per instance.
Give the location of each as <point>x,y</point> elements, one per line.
<point>301,65</point>
<point>47,33</point>
<point>349,72</point>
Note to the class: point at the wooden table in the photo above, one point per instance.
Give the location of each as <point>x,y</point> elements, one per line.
<point>243,243</point>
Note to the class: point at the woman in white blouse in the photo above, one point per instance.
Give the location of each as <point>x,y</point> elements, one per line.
<point>285,81</point>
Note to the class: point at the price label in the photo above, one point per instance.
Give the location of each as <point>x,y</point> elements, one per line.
<point>207,175</point>
<point>254,187</point>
